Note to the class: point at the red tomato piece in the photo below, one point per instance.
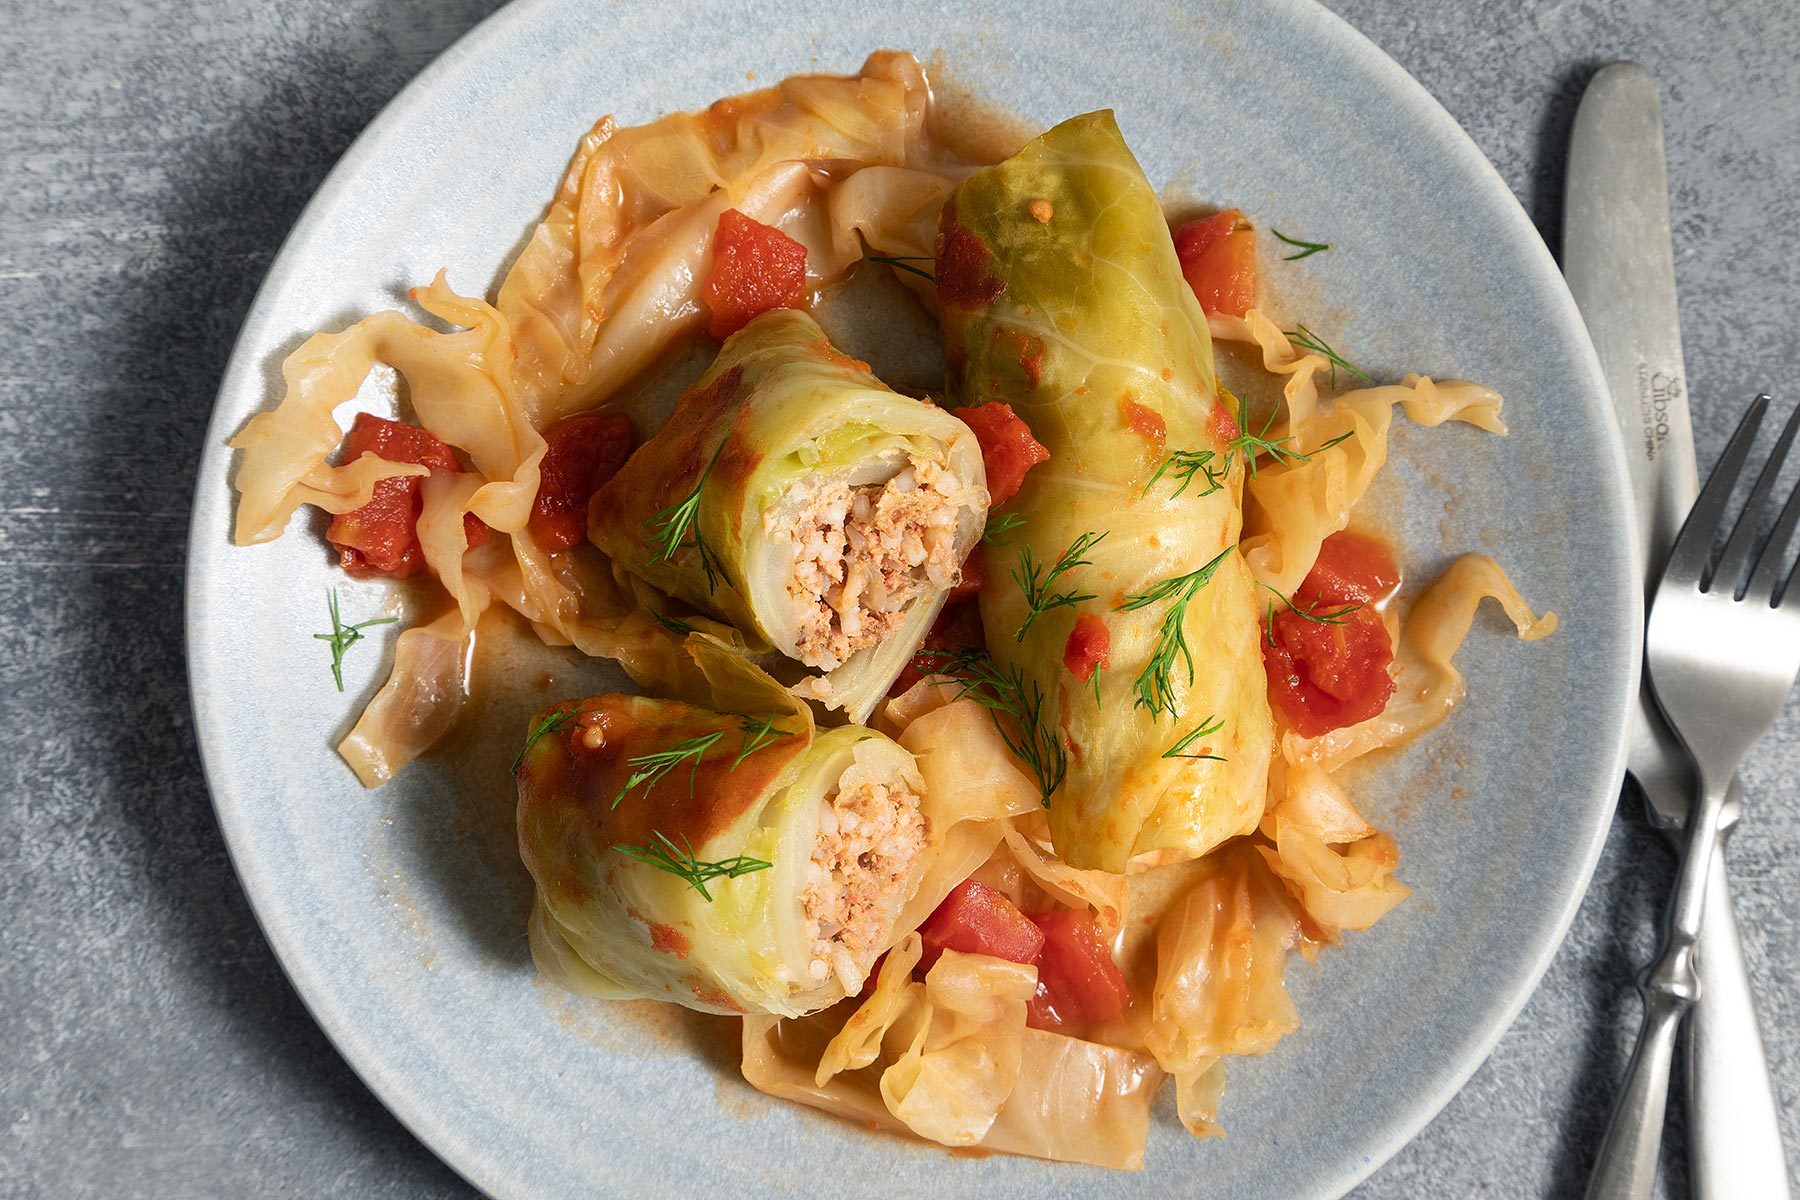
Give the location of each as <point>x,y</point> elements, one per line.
<point>1218,259</point>
<point>1328,668</point>
<point>1078,977</point>
<point>381,537</point>
<point>1008,450</point>
<point>975,919</point>
<point>1352,568</point>
<point>756,268</point>
<point>582,453</point>
<point>1088,646</point>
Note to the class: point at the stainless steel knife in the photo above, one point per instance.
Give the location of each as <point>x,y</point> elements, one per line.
<point>1619,261</point>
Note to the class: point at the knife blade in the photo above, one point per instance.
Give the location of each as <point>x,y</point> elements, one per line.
<point>1618,258</point>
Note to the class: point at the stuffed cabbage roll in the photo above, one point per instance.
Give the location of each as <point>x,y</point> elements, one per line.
<point>1122,598</point>
<point>794,495</point>
<point>730,862</point>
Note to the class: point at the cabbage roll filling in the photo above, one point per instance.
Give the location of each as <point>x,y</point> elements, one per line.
<point>863,552</point>
<point>871,835</point>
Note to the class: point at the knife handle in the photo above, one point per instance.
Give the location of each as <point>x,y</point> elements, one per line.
<point>1734,1134</point>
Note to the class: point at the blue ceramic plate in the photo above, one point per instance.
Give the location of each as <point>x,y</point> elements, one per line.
<point>400,914</point>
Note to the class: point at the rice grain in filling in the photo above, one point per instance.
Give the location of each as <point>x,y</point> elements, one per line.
<point>863,553</point>
<point>871,834</point>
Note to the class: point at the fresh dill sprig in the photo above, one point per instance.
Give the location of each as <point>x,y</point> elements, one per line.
<point>1310,612</point>
<point>899,263</point>
<point>1001,524</point>
<point>1307,249</point>
<point>1007,693</point>
<point>556,722</point>
<point>669,528</point>
<point>665,855</point>
<point>1306,339</point>
<point>1206,728</point>
<point>673,624</point>
<point>1155,684</point>
<point>343,636</point>
<point>1032,579</point>
<point>1253,445</point>
<point>758,732</point>
<point>653,766</point>
<point>1185,464</point>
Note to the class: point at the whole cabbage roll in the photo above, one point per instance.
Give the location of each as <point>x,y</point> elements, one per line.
<point>732,863</point>
<point>1125,602</point>
<point>794,495</point>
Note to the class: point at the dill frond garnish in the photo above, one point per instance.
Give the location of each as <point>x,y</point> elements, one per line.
<point>758,732</point>
<point>1307,249</point>
<point>1032,579</point>
<point>669,528</point>
<point>1311,612</point>
<point>556,722</point>
<point>1254,445</point>
<point>900,263</point>
<point>648,768</point>
<point>665,855</point>
<point>673,624</point>
<point>1001,524</point>
<point>1007,693</point>
<point>1185,464</point>
<point>343,636</point>
<point>1206,728</point>
<point>1306,339</point>
<point>1155,685</point>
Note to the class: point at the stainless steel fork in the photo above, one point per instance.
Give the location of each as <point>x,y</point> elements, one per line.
<point>1722,648</point>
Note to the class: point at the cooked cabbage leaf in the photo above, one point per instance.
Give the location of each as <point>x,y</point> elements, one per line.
<point>1060,294</point>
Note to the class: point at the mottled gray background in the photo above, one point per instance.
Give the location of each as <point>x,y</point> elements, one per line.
<point>152,156</point>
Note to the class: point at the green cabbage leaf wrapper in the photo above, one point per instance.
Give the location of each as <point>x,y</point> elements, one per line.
<point>1060,294</point>
<point>608,924</point>
<point>781,408</point>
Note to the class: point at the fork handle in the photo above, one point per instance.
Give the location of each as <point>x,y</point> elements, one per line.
<point>1734,1134</point>
<point>1626,1168</point>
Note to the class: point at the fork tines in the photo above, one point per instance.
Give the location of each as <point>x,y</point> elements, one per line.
<point>1741,566</point>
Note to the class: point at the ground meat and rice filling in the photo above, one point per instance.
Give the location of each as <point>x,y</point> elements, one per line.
<point>863,554</point>
<point>871,834</point>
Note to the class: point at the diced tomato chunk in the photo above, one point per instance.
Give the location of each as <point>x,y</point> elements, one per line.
<point>1079,981</point>
<point>1353,568</point>
<point>583,452</point>
<point>382,537</point>
<point>1218,259</point>
<point>1328,667</point>
<point>975,919</point>
<point>1088,646</point>
<point>1008,450</point>
<point>756,268</point>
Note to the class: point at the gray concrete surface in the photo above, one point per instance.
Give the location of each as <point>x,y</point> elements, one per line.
<point>152,155</point>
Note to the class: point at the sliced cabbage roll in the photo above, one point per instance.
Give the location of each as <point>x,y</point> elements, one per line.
<point>732,862</point>
<point>1060,294</point>
<point>794,495</point>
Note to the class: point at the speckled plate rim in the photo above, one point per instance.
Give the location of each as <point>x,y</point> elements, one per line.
<point>390,1081</point>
